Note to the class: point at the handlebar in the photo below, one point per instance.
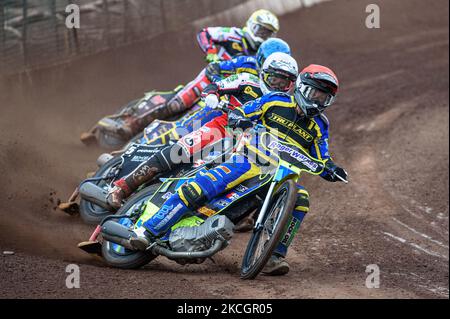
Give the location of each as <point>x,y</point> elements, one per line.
<point>341,178</point>
<point>223,105</point>
<point>333,173</point>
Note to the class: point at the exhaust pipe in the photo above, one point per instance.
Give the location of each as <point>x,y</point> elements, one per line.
<point>120,234</point>
<point>94,194</point>
<point>159,250</point>
<point>116,233</point>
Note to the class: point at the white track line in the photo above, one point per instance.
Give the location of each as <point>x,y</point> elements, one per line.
<point>419,248</point>
<point>429,252</point>
<point>420,234</point>
<point>395,237</point>
<point>411,213</point>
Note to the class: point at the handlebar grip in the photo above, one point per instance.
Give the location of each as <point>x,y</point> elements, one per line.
<point>340,177</point>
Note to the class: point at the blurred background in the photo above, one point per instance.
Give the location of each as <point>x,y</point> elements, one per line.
<point>33,32</point>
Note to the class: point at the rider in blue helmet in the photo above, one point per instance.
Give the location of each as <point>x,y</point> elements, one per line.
<point>270,46</point>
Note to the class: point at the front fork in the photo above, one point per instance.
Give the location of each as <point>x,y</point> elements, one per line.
<point>262,213</point>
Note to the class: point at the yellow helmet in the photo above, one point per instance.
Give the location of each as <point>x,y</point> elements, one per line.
<point>261,25</point>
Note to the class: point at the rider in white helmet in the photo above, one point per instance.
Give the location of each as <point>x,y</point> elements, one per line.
<point>278,73</point>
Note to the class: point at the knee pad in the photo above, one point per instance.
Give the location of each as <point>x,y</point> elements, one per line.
<point>302,202</point>
<point>192,195</point>
<point>192,91</point>
<point>168,158</point>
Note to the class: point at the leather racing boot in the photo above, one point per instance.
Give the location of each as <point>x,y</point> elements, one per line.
<point>276,266</point>
<point>141,239</point>
<point>124,187</point>
<point>162,161</point>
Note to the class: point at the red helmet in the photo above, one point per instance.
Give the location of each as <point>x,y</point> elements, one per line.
<point>315,89</point>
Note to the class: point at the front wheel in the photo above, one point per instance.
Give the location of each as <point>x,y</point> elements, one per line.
<point>265,239</point>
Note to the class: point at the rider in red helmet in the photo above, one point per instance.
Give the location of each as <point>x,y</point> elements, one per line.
<point>316,88</point>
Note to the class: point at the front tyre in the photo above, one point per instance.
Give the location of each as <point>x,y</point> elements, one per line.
<point>265,239</point>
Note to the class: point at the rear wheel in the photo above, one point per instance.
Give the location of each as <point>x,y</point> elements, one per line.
<point>89,212</point>
<point>265,239</point>
<point>110,141</point>
<point>118,256</point>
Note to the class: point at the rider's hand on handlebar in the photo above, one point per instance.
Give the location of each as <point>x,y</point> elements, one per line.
<point>337,174</point>
<point>212,101</point>
<point>339,171</point>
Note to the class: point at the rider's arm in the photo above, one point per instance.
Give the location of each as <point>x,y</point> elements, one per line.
<point>209,37</point>
<point>320,150</point>
<point>231,85</point>
<point>244,116</point>
<point>205,40</point>
<point>219,70</point>
<point>255,110</point>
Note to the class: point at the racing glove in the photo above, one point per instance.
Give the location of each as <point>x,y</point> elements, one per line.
<point>212,101</point>
<point>213,72</point>
<point>237,120</point>
<point>332,170</point>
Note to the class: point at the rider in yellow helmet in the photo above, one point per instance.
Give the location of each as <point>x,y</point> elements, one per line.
<point>224,43</point>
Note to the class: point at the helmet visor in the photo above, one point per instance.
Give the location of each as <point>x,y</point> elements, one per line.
<point>278,82</point>
<point>262,32</point>
<point>316,96</point>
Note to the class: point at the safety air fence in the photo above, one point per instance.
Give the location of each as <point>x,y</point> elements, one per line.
<point>36,33</point>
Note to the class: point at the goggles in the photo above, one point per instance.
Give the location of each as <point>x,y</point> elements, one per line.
<point>314,95</point>
<point>278,82</point>
<point>261,31</point>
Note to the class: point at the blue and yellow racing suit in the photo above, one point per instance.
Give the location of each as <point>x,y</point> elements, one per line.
<point>216,71</point>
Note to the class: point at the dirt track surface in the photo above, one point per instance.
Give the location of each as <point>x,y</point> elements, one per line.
<point>389,129</point>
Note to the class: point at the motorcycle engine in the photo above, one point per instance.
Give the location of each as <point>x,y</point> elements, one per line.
<point>199,238</point>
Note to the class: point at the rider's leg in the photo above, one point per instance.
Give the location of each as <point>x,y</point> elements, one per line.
<point>162,161</point>
<point>187,96</point>
<point>276,265</point>
<point>205,186</point>
<point>182,101</point>
<point>167,159</point>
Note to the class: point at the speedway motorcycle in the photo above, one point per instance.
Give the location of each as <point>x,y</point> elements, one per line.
<point>108,132</point>
<point>115,165</point>
<point>209,229</point>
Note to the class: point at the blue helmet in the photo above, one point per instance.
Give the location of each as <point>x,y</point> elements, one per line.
<point>270,46</point>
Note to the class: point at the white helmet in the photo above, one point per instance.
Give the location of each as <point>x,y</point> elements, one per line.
<point>278,73</point>
<point>261,26</point>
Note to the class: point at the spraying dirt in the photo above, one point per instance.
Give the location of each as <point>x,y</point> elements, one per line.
<point>389,129</point>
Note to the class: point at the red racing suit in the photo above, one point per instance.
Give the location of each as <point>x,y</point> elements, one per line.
<point>225,42</point>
